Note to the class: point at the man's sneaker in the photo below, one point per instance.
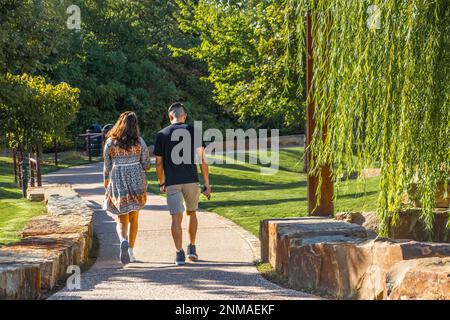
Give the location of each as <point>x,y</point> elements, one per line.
<point>180,258</point>
<point>124,256</point>
<point>192,252</point>
<point>131,254</point>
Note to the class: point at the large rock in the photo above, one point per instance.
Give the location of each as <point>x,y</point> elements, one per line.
<point>278,235</point>
<point>58,224</point>
<point>369,220</point>
<point>53,253</point>
<point>408,226</point>
<point>19,281</point>
<point>44,192</point>
<point>46,266</point>
<point>442,198</point>
<point>67,205</point>
<point>424,279</point>
<point>353,270</point>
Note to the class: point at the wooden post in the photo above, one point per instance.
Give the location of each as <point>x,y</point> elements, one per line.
<point>19,160</point>
<point>89,147</point>
<point>325,205</point>
<point>16,180</point>
<point>55,147</point>
<point>39,166</point>
<point>32,167</point>
<point>24,169</point>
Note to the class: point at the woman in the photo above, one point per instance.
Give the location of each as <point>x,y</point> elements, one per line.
<point>126,160</point>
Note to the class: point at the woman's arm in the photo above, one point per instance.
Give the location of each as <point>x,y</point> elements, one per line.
<point>107,166</point>
<point>145,156</point>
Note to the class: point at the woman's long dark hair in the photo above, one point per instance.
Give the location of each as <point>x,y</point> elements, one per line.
<point>126,130</point>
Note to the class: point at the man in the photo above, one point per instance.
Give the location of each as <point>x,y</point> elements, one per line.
<point>176,150</point>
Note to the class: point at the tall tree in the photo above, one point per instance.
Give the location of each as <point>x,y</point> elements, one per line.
<point>243,44</point>
<point>31,109</point>
<point>381,90</point>
<point>120,60</point>
<point>30,31</point>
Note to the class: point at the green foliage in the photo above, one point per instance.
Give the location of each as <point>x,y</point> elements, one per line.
<point>120,61</point>
<point>385,92</point>
<point>32,110</point>
<point>30,31</point>
<point>243,47</point>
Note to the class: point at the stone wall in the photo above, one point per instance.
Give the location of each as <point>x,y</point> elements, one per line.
<point>278,236</point>
<point>50,243</point>
<point>337,259</point>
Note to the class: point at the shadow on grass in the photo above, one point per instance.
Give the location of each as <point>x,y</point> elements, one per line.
<point>222,183</point>
<point>6,194</point>
<point>356,195</point>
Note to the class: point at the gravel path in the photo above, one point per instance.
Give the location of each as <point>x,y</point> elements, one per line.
<point>226,251</point>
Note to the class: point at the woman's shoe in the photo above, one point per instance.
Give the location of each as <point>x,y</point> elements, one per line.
<point>124,256</point>
<point>180,258</point>
<point>192,252</point>
<point>131,254</point>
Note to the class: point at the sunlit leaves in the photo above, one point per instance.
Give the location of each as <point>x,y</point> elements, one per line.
<point>32,109</point>
<point>243,44</point>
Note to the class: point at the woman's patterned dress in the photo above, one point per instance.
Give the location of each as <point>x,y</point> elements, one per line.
<point>125,170</point>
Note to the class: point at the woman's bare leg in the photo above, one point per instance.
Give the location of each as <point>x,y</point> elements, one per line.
<point>122,226</point>
<point>134,224</point>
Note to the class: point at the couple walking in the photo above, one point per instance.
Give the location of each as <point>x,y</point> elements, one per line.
<point>126,158</point>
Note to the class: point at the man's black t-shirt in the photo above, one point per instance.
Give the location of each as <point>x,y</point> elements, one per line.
<point>178,155</point>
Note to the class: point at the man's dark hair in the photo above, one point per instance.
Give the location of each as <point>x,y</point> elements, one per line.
<point>177,109</point>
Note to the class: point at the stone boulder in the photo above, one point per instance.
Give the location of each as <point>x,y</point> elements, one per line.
<point>442,198</point>
<point>278,235</point>
<point>369,220</point>
<point>421,279</point>
<point>354,270</point>
<point>44,192</point>
<point>408,226</point>
<point>58,205</point>
<point>19,279</point>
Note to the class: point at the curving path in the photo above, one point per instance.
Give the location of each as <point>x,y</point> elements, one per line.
<point>226,251</point>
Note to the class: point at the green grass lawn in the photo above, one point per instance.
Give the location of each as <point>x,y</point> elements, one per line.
<point>243,195</point>
<point>15,211</point>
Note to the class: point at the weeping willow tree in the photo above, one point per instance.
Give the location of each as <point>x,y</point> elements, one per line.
<point>381,90</point>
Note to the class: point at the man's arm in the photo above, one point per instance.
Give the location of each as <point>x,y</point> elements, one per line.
<point>160,173</point>
<point>204,169</point>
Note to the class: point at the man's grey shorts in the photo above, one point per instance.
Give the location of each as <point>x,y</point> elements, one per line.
<point>189,192</point>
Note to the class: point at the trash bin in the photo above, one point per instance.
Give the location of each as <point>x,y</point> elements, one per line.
<point>95,144</point>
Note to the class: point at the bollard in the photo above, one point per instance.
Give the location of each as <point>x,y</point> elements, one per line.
<point>24,171</point>
<point>89,147</point>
